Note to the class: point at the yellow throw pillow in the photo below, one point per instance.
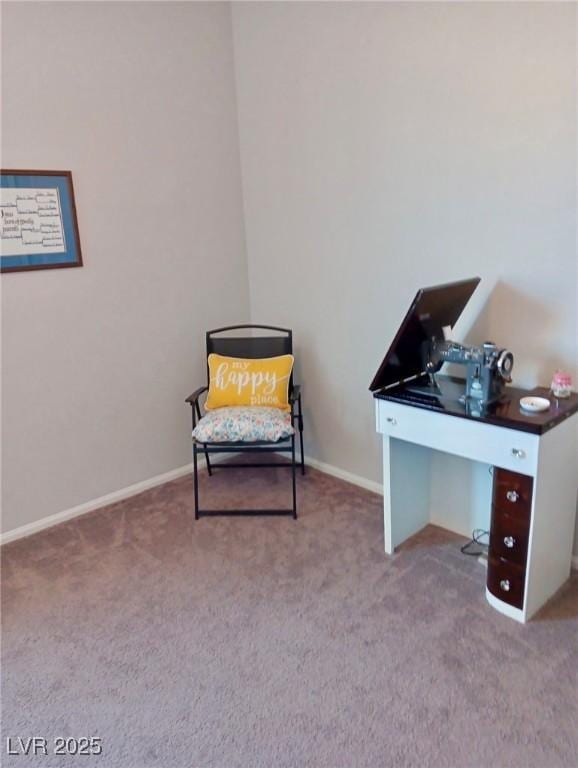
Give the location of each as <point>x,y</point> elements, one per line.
<point>239,381</point>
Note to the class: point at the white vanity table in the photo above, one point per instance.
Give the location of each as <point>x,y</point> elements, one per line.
<point>535,485</point>
<point>534,456</point>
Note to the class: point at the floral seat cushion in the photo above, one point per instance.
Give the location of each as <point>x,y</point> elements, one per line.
<point>247,424</point>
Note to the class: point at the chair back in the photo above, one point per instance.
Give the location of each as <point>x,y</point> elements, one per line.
<point>250,346</point>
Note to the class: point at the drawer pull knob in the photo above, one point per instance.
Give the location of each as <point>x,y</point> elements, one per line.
<point>512,496</point>
<point>509,541</point>
<point>505,585</point>
<point>518,453</point>
<point>391,420</point>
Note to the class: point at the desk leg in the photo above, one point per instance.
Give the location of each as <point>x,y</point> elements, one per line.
<point>406,490</point>
<point>387,502</point>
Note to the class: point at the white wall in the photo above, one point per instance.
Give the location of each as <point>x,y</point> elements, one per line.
<point>138,101</point>
<point>389,146</point>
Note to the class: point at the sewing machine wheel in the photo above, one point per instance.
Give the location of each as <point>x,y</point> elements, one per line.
<point>505,365</point>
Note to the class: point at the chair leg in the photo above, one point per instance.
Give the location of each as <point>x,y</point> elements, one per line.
<point>197,448</point>
<point>196,481</point>
<point>293,477</point>
<point>209,468</point>
<point>301,446</point>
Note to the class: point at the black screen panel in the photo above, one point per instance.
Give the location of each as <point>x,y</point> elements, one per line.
<point>431,310</point>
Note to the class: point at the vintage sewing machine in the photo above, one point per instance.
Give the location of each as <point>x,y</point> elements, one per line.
<point>489,368</point>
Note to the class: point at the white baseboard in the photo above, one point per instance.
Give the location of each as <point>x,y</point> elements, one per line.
<point>173,474</point>
<point>89,506</point>
<point>342,474</point>
<point>144,485</point>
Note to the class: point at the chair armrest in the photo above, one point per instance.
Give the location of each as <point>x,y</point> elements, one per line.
<point>295,393</point>
<point>192,399</point>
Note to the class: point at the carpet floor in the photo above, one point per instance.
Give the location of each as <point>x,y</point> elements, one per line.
<point>269,642</point>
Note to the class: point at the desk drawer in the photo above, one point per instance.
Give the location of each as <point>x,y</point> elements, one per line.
<point>512,494</point>
<point>506,581</point>
<point>507,448</point>
<point>509,538</point>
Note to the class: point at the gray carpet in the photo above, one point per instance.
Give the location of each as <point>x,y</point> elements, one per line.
<point>247,642</point>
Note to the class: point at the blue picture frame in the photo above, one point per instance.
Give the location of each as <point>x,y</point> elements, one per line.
<point>38,227</point>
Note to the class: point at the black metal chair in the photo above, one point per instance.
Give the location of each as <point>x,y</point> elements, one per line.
<point>249,347</point>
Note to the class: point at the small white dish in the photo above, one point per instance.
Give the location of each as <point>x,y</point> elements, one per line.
<point>535,404</point>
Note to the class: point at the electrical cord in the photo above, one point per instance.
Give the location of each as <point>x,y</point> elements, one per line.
<point>477,534</point>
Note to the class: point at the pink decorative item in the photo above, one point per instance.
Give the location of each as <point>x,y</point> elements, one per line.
<point>561,384</point>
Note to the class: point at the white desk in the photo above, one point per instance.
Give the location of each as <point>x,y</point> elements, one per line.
<point>534,489</point>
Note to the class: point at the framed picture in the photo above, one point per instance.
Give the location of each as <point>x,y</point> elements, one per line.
<point>38,227</point>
